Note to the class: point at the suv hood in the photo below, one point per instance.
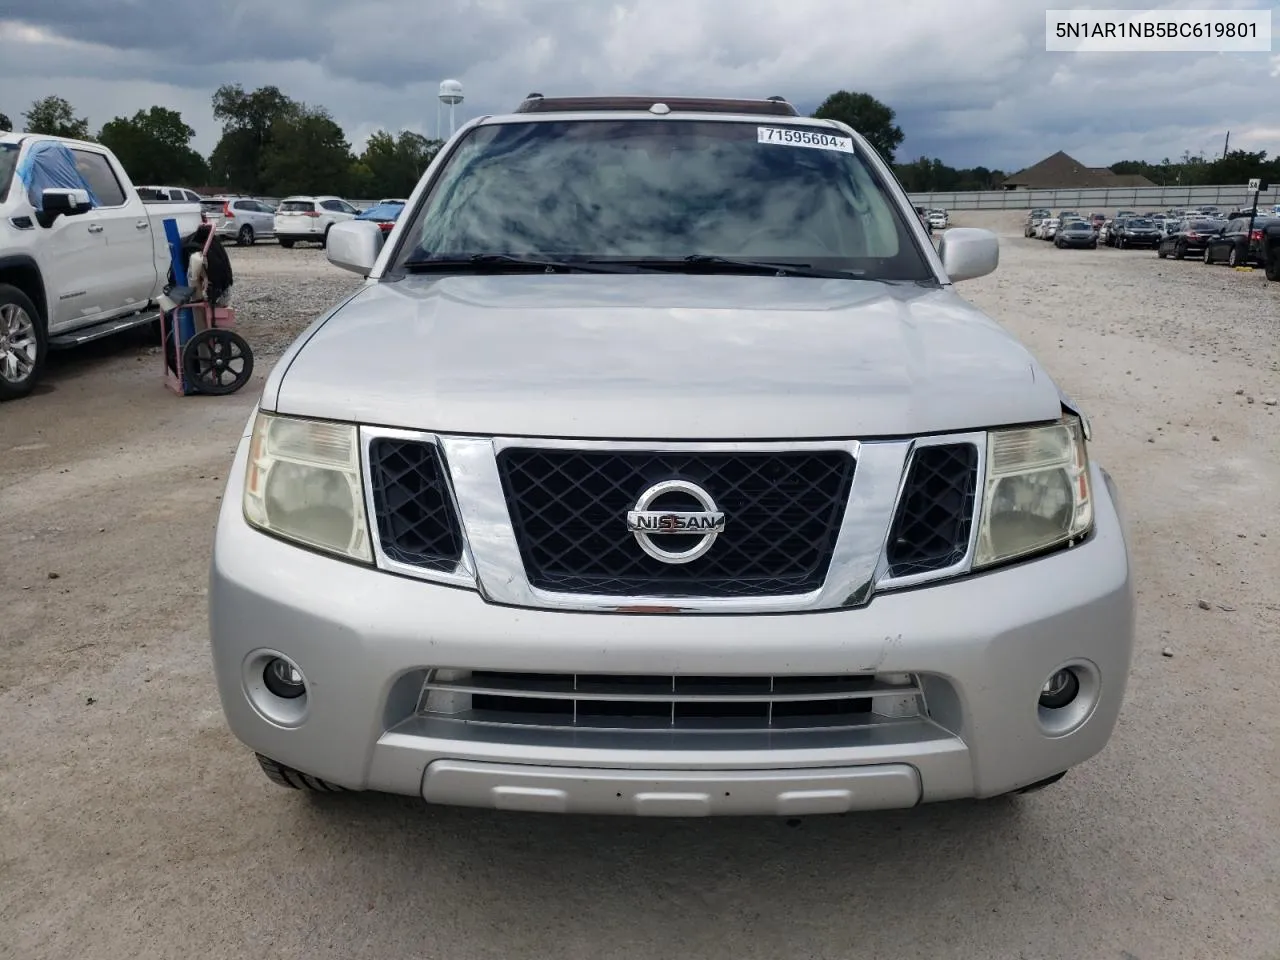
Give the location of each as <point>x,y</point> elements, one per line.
<point>661,356</point>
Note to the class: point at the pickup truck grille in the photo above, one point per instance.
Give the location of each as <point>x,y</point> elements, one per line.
<point>666,702</point>
<point>935,513</point>
<point>417,523</point>
<point>569,507</point>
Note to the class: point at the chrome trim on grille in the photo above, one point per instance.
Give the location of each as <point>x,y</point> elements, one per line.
<point>688,706</point>
<point>462,575</point>
<point>491,559</point>
<point>965,564</point>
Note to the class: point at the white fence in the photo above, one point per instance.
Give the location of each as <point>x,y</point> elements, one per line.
<point>1100,199</point>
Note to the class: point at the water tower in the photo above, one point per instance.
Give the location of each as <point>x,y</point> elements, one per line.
<point>450,95</point>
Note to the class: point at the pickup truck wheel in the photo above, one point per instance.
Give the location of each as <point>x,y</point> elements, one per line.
<point>1041,784</point>
<point>284,776</point>
<point>23,343</point>
<point>245,237</point>
<point>287,244</point>
<point>217,362</point>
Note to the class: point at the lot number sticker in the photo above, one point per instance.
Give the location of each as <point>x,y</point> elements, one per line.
<point>791,137</point>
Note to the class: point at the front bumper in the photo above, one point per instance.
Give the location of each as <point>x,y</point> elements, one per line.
<point>365,640</point>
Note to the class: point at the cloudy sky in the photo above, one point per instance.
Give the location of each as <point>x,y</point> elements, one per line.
<point>971,81</point>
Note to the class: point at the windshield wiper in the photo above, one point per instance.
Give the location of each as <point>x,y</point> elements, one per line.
<point>703,261</point>
<point>484,261</point>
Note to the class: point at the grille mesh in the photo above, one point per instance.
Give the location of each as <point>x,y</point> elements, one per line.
<point>931,528</point>
<point>783,512</point>
<point>417,523</point>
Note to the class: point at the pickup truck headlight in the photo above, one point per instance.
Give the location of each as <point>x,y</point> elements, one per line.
<point>303,484</point>
<point>1037,491</point>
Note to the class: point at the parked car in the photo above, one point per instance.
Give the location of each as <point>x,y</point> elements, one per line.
<point>1065,215</point>
<point>541,555</point>
<point>1031,226</point>
<point>242,219</point>
<point>384,213</point>
<point>1189,237</point>
<point>1125,214</point>
<point>1077,233</point>
<point>939,219</point>
<point>1237,243</point>
<point>153,194</point>
<point>1137,232</point>
<point>1097,219</point>
<point>81,255</point>
<point>1048,228</point>
<point>1271,247</point>
<point>309,219</point>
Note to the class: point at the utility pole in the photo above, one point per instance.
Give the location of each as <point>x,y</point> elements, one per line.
<point>1226,145</point>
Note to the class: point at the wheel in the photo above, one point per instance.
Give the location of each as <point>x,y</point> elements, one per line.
<point>23,343</point>
<point>217,362</point>
<point>1180,251</point>
<point>1208,258</point>
<point>324,241</point>
<point>1041,784</point>
<point>1273,264</point>
<point>1094,245</point>
<point>1161,252</point>
<point>284,776</point>
<point>1120,243</point>
<point>245,237</point>
<point>287,244</point>
<point>1233,258</point>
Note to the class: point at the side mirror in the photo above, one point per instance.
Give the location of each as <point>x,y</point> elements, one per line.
<point>354,245</point>
<point>968,252</point>
<point>62,202</point>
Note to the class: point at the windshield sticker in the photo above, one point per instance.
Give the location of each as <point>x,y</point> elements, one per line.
<point>792,137</point>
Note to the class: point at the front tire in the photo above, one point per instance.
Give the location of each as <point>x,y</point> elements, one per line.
<point>1180,251</point>
<point>283,776</point>
<point>23,343</point>
<point>1161,252</point>
<point>245,237</point>
<point>1208,257</point>
<point>287,244</point>
<point>1233,258</point>
<point>1272,268</point>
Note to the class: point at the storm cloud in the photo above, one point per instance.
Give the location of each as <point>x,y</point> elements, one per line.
<point>972,82</point>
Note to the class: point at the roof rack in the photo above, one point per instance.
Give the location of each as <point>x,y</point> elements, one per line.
<point>772,106</point>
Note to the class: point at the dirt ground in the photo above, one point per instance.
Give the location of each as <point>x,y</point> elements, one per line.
<point>132,825</point>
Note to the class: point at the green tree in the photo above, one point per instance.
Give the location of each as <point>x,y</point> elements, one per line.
<point>5,123</point>
<point>867,115</point>
<point>54,116</point>
<point>395,164</point>
<point>249,125</point>
<point>155,147</point>
<point>307,152</point>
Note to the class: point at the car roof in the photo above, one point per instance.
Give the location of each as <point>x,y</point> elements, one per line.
<point>770,106</point>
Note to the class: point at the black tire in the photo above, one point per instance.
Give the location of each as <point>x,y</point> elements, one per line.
<point>1094,245</point>
<point>293,779</point>
<point>1041,784</point>
<point>1120,243</point>
<point>1207,257</point>
<point>1161,252</point>
<point>245,237</point>
<point>1233,258</point>
<point>25,343</point>
<point>1272,268</point>
<point>1180,251</point>
<point>287,244</point>
<point>213,354</point>
<point>324,241</point>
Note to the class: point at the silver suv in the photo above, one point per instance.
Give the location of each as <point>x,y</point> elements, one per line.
<point>657,468</point>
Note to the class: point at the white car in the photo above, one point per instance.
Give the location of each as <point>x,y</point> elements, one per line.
<point>82,255</point>
<point>308,219</point>
<point>241,219</point>
<point>1048,228</point>
<point>153,194</point>
<point>939,219</point>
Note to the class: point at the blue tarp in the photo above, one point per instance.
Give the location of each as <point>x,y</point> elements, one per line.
<point>51,164</point>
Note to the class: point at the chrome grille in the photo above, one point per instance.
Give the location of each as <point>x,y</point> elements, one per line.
<point>935,513</point>
<point>568,509</point>
<point>669,702</point>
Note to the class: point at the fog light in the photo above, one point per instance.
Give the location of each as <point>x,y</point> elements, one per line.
<point>1060,689</point>
<point>285,680</point>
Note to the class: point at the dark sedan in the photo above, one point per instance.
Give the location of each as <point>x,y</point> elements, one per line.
<point>1238,243</point>
<point>1077,233</point>
<point>1190,237</point>
<point>1138,232</point>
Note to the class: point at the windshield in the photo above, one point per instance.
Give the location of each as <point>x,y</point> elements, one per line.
<point>1141,223</point>
<point>296,206</point>
<point>664,190</point>
<point>8,161</point>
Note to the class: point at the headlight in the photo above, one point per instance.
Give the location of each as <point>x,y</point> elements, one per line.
<point>1037,491</point>
<point>303,484</point>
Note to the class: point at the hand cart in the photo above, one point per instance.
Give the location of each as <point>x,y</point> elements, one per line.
<point>202,352</point>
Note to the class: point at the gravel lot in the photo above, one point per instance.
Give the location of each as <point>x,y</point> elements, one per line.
<point>133,826</point>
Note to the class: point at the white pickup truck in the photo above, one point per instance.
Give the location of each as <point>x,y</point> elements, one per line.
<point>81,255</point>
